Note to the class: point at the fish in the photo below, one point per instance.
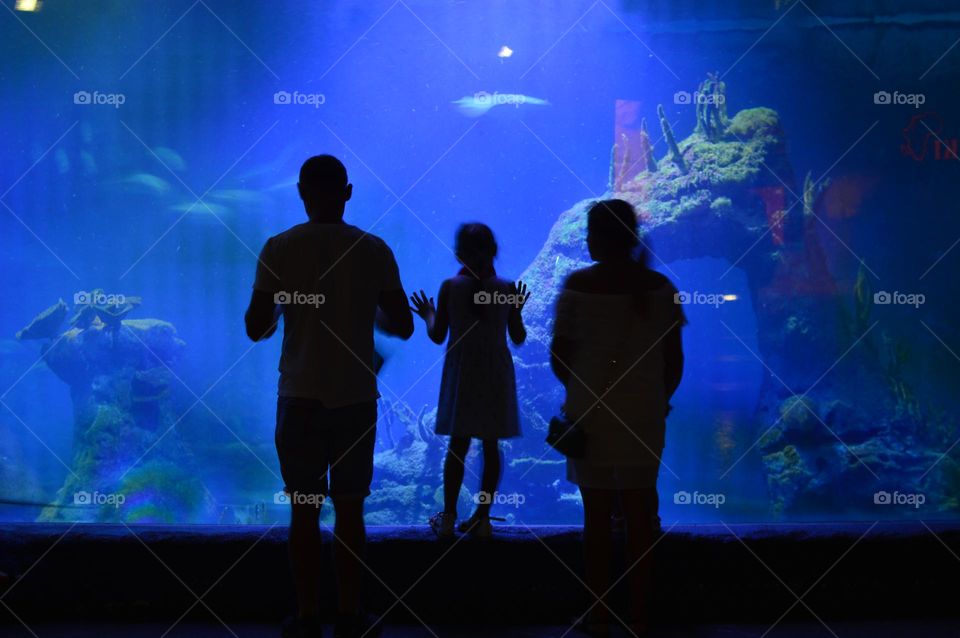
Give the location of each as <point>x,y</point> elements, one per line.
<point>46,324</point>
<point>147,183</point>
<point>240,196</point>
<point>280,164</point>
<point>170,158</point>
<point>62,160</point>
<point>284,184</point>
<point>88,162</point>
<point>210,208</point>
<point>479,103</point>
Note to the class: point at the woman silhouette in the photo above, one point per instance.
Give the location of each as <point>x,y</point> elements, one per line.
<point>617,350</point>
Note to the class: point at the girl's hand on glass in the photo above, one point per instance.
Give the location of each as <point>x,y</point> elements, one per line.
<point>423,305</point>
<point>521,294</point>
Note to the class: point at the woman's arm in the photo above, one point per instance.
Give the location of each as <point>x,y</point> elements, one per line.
<point>561,354</point>
<point>518,333</point>
<point>562,347</point>
<point>673,361</point>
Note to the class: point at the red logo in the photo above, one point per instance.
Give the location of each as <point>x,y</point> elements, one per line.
<point>923,134</point>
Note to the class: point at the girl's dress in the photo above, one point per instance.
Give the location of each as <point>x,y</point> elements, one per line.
<point>478,392</point>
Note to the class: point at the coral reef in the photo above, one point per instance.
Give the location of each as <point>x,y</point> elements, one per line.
<point>408,468</point>
<point>675,155</point>
<point>129,462</point>
<point>822,446</point>
<point>711,102</point>
<point>46,324</point>
<point>720,198</point>
<point>726,191</point>
<point>646,149</point>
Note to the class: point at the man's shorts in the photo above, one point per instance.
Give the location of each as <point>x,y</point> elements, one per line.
<point>312,440</point>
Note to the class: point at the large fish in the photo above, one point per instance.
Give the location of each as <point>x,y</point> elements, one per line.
<point>45,325</point>
<point>147,183</point>
<point>479,103</point>
<point>239,196</point>
<point>204,207</point>
<point>172,159</point>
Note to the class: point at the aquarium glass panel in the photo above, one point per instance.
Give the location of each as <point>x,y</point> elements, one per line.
<point>793,165</point>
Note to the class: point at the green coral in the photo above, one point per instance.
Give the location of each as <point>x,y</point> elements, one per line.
<point>160,492</point>
<point>862,301</point>
<point>721,204</point>
<point>646,148</point>
<point>787,475</point>
<point>798,412</point>
<point>811,193</point>
<point>755,122</point>
<point>711,101</point>
<point>675,155</point>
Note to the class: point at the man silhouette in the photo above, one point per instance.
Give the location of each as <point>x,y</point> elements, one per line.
<point>332,283</point>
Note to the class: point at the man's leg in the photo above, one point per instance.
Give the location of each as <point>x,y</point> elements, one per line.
<point>350,540</point>
<point>300,448</point>
<point>304,547</point>
<point>353,430</point>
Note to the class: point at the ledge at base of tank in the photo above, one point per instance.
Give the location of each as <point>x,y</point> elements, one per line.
<point>703,573</point>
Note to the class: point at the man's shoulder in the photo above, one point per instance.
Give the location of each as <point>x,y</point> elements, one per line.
<point>373,240</point>
<point>291,233</point>
<point>312,229</point>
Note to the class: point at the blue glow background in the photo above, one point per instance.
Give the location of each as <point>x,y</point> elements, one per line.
<point>199,78</point>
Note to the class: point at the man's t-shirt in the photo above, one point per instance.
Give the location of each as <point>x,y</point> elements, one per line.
<point>328,279</point>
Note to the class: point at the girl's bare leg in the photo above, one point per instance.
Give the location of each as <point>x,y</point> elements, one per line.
<point>490,480</point>
<point>453,474</point>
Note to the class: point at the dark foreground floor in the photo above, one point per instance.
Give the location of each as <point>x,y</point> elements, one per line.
<point>705,575</point>
<point>195,630</point>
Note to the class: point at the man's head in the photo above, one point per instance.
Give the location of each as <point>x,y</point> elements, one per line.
<point>324,187</point>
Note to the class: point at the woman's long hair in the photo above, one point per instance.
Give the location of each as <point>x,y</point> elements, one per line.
<point>614,222</point>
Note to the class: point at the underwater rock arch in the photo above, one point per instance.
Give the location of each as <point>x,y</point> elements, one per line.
<point>729,191</point>
<point>733,200</point>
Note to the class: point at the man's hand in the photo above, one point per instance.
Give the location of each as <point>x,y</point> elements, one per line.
<point>262,315</point>
<point>393,315</point>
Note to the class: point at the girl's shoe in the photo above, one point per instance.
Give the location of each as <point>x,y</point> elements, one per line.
<point>442,524</point>
<point>478,526</point>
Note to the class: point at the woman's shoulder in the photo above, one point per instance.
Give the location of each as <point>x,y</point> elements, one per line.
<point>581,280</point>
<point>593,280</point>
<point>658,282</point>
